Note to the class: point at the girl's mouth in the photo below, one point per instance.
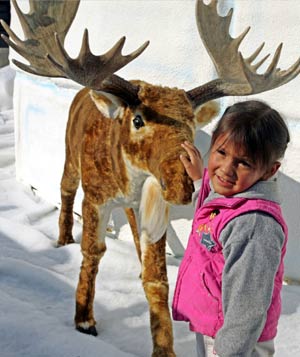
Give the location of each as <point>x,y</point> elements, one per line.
<point>224,182</point>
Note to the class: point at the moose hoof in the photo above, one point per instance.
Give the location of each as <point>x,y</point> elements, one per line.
<point>61,243</point>
<point>91,330</point>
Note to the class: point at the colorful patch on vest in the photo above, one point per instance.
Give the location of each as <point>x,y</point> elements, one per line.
<point>205,231</point>
<point>207,241</point>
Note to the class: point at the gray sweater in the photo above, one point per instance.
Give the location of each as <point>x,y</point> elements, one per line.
<point>252,246</point>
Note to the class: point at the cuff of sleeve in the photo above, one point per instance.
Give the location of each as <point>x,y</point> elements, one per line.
<point>197,184</point>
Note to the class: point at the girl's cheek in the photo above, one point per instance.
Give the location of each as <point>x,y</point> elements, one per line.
<point>214,160</point>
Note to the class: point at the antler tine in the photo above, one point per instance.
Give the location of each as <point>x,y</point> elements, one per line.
<point>16,47</point>
<point>255,53</point>
<point>273,77</point>
<point>258,64</point>
<point>85,46</point>
<point>137,52</point>
<point>116,50</point>
<point>237,75</point>
<point>23,20</point>
<point>90,70</point>
<point>251,58</point>
<point>10,33</point>
<point>272,67</point>
<point>24,52</point>
<point>294,70</point>
<point>63,54</point>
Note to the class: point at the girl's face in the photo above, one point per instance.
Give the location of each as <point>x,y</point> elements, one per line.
<point>231,171</point>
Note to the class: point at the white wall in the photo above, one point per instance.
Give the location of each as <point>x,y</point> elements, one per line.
<point>175,57</point>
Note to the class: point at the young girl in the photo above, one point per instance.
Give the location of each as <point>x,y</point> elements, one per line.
<point>229,281</point>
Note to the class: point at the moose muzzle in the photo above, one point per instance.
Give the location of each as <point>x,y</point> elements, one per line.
<point>177,187</point>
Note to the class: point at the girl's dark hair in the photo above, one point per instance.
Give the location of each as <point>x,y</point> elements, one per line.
<point>256,128</point>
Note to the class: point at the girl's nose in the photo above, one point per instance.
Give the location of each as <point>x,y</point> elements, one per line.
<point>228,168</point>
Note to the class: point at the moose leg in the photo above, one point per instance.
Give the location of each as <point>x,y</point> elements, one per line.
<point>154,215</point>
<point>93,248</point>
<point>155,283</point>
<point>69,184</point>
<point>134,229</point>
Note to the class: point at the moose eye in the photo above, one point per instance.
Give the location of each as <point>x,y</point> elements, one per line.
<point>138,122</point>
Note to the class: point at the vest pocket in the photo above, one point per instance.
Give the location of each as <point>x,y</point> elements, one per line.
<point>212,288</point>
<point>213,316</point>
<point>193,299</point>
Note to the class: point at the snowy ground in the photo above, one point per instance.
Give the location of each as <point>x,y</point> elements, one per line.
<point>38,281</point>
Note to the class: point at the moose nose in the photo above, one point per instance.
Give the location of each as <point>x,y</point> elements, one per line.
<point>163,184</point>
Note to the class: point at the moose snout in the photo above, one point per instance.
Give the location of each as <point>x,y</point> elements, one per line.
<point>163,184</point>
<point>176,186</point>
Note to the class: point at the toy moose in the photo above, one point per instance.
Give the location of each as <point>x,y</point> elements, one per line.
<point>123,141</point>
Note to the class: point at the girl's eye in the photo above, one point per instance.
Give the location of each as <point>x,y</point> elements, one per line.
<point>245,163</point>
<point>138,122</point>
<point>221,152</point>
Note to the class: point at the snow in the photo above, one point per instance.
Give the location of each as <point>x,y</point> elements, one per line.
<point>38,280</point>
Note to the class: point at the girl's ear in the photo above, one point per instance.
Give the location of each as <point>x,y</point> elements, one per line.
<point>272,171</point>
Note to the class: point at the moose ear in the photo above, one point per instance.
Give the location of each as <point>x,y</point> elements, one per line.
<point>108,104</point>
<point>206,112</point>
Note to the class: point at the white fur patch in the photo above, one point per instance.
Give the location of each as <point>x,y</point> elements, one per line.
<point>136,177</point>
<point>85,325</point>
<point>154,212</point>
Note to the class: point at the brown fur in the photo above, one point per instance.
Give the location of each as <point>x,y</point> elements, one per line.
<point>113,160</point>
<point>206,112</point>
<point>134,229</point>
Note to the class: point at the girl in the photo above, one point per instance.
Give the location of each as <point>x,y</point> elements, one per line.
<point>230,278</point>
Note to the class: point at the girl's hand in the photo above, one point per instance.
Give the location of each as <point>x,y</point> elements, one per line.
<point>193,164</point>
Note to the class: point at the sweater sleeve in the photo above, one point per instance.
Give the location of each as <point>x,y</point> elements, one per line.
<point>252,245</point>
<point>197,187</point>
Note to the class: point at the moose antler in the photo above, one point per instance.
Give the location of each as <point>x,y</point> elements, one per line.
<point>237,75</point>
<point>88,69</point>
<point>45,28</point>
<point>43,20</point>
<point>48,21</point>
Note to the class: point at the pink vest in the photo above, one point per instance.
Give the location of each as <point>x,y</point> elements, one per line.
<point>197,297</point>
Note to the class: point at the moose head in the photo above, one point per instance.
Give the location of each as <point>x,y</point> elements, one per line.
<point>123,141</point>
